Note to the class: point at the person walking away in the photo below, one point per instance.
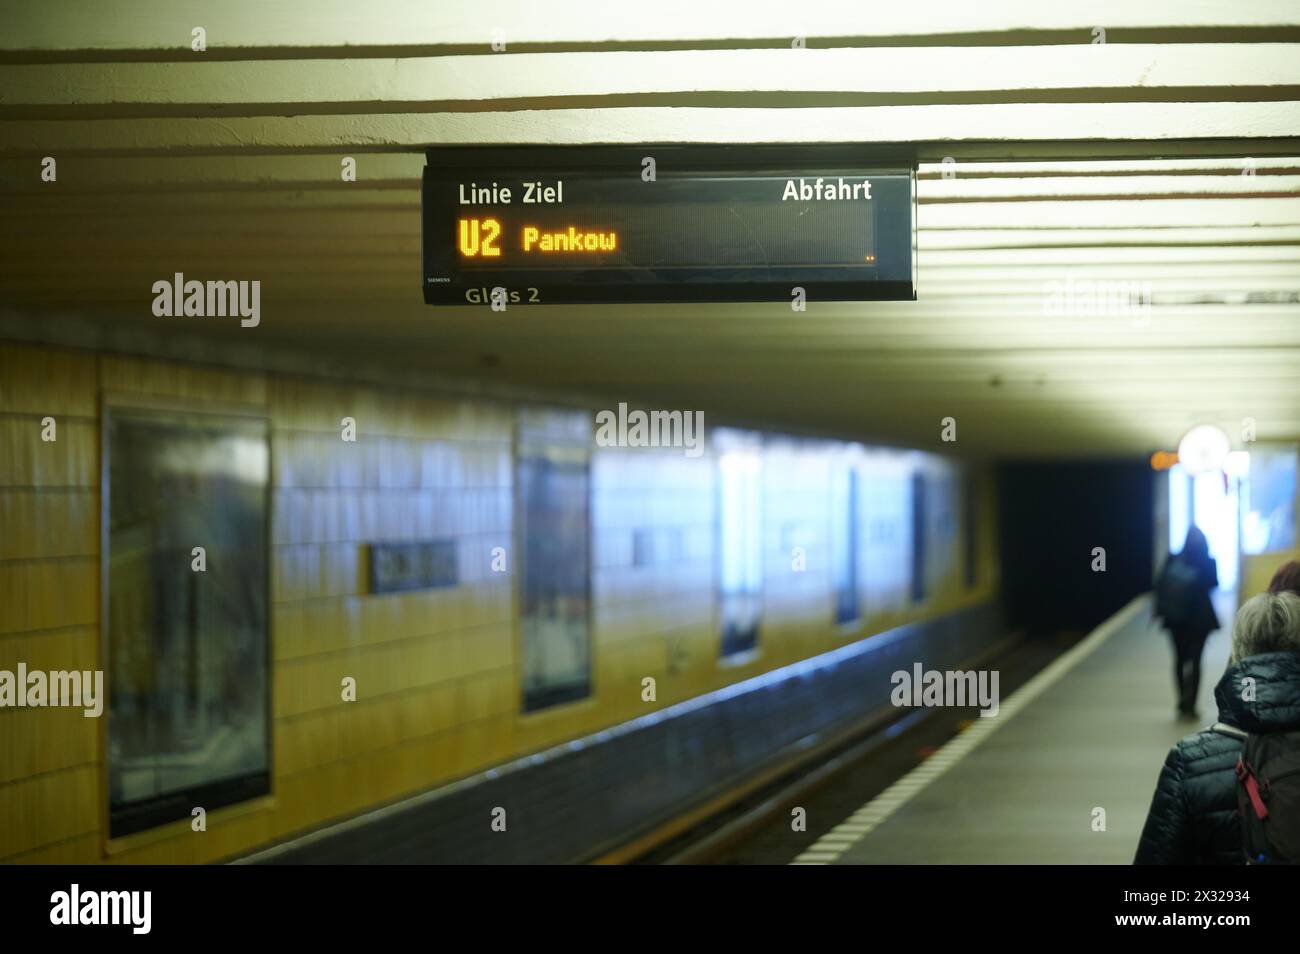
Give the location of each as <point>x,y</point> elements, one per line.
<point>1183,605</point>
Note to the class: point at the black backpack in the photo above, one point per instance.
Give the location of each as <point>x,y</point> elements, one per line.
<point>1177,592</point>
<point>1268,795</point>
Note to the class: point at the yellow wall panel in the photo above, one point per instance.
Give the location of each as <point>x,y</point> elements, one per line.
<point>427,710</point>
<point>147,376</point>
<point>229,831</point>
<point>48,594</point>
<point>66,649</point>
<point>480,744</point>
<point>438,683</point>
<point>307,741</point>
<point>47,381</point>
<point>79,850</point>
<point>42,525</point>
<point>49,808</point>
<point>36,741</point>
<point>1257,571</point>
<point>487,695</point>
<point>70,460</point>
<point>295,805</point>
<point>329,626</point>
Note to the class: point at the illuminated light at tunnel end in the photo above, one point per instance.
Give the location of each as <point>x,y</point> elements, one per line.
<point>1203,449</point>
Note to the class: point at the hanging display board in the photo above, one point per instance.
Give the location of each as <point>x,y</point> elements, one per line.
<point>576,224</point>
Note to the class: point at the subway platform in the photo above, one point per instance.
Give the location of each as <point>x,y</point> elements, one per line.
<point>1062,775</point>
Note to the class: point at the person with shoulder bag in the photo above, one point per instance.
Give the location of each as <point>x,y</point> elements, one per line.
<point>1183,605</point>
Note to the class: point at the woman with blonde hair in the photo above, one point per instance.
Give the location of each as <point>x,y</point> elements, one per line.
<point>1195,816</point>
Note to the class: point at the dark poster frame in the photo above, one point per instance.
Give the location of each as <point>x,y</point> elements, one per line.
<point>533,448</point>
<point>144,814</point>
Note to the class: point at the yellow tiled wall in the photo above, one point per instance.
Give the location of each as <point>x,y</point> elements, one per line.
<point>49,586</point>
<point>1257,571</point>
<point>436,670</point>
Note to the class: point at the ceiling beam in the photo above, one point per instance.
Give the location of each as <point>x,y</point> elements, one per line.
<point>249,27</point>
<point>930,132</point>
<point>1090,73</point>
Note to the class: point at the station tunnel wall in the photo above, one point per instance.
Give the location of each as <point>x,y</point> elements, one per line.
<point>439,672</point>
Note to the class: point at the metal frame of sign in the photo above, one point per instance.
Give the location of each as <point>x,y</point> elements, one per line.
<point>891,277</point>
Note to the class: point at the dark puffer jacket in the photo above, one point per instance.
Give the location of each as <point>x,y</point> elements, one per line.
<point>1193,817</point>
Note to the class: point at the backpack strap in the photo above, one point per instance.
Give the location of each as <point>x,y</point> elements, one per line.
<point>1246,776</point>
<point>1224,729</point>
<point>1245,772</point>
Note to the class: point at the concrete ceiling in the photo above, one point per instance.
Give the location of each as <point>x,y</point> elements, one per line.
<point>1168,155</point>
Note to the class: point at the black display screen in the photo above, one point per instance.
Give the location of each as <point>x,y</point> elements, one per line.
<point>701,223</point>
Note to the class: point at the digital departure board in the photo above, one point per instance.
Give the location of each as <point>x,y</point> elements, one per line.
<point>664,223</point>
